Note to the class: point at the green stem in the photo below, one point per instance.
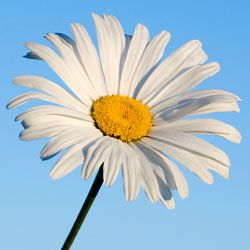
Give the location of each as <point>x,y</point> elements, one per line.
<point>85,209</point>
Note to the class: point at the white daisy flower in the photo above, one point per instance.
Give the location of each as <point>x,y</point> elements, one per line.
<point>128,109</point>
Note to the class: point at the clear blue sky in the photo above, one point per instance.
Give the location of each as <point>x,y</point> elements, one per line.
<point>36,212</point>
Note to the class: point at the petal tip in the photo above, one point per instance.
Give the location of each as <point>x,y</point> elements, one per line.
<point>236,137</point>
<point>95,16</point>
<point>53,175</point>
<point>184,195</point>
<point>196,42</point>
<point>8,105</point>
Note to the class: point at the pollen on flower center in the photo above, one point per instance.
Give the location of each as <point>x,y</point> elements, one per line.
<point>122,117</point>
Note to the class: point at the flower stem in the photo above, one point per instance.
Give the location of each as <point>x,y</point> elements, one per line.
<point>85,209</point>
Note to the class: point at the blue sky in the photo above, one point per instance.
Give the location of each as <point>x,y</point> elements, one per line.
<point>36,212</point>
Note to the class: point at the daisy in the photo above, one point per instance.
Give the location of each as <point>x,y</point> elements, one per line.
<point>127,109</point>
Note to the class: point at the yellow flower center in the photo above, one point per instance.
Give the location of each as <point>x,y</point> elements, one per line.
<point>122,117</point>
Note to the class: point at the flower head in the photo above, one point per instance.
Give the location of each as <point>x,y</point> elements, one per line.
<point>128,109</point>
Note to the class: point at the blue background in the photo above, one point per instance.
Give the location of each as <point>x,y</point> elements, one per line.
<point>36,212</point>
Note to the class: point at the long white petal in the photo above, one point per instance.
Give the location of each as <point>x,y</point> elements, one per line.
<point>96,155</point>
<point>89,58</point>
<point>215,166</point>
<point>55,120</point>
<point>182,109</point>
<point>188,55</point>
<point>128,40</point>
<point>173,100</point>
<point>68,138</point>
<point>193,103</point>
<point>28,96</point>
<point>62,95</point>
<point>77,70</point>
<point>158,163</point>
<point>202,126</point>
<point>173,175</point>
<point>183,82</point>
<point>136,49</point>
<point>198,106</point>
<point>148,178</point>
<point>47,126</point>
<point>64,71</point>
<point>130,173</point>
<point>119,41</point>
<point>186,158</point>
<point>218,106</point>
<point>192,143</point>
<point>38,132</point>
<point>180,180</point>
<point>67,40</point>
<point>165,194</point>
<point>111,41</point>
<point>149,60</point>
<point>68,162</point>
<point>113,162</point>
<point>44,110</point>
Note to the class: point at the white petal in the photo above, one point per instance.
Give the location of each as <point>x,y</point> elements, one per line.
<point>218,106</point>
<point>119,43</point>
<point>202,126</point>
<point>68,138</point>
<point>180,180</point>
<point>182,109</point>
<point>188,55</point>
<point>38,132</point>
<point>89,58</point>
<point>28,96</point>
<point>113,162</point>
<point>77,70</point>
<point>68,162</point>
<point>96,155</point>
<point>47,126</point>
<point>32,55</point>
<point>45,110</point>
<point>215,166</point>
<point>192,143</point>
<point>136,49</point>
<point>183,82</point>
<point>130,173</point>
<point>148,178</point>
<point>186,158</point>
<point>66,71</point>
<point>150,58</point>
<point>198,106</point>
<point>192,103</point>
<point>164,190</point>
<point>63,97</point>
<point>171,172</point>
<point>158,164</point>
<point>55,120</point>
<point>128,40</point>
<point>191,78</point>
<point>111,43</point>
<point>67,40</point>
<point>170,204</point>
<point>165,194</point>
<point>170,101</point>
